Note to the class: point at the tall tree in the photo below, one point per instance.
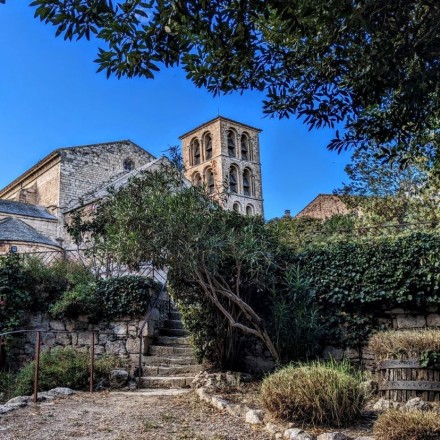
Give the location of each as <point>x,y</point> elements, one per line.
<point>231,258</point>
<point>369,66</point>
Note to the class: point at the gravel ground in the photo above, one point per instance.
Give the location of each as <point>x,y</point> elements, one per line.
<point>125,416</point>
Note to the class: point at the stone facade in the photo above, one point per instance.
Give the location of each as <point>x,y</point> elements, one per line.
<point>224,155</point>
<point>323,207</point>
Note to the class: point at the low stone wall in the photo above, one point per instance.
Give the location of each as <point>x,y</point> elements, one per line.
<point>119,337</point>
<point>397,319</point>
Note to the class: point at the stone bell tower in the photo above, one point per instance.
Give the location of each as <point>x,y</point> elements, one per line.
<point>225,155</point>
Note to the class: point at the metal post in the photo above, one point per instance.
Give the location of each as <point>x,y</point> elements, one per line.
<point>92,359</point>
<point>37,367</point>
<point>140,361</point>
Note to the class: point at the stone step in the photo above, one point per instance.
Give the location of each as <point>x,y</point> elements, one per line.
<point>174,323</point>
<point>168,350</point>
<point>176,316</point>
<point>173,332</point>
<point>166,381</point>
<point>178,370</point>
<point>164,361</point>
<point>172,340</point>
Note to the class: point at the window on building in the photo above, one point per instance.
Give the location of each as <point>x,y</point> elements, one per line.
<point>249,210</point>
<point>128,165</point>
<point>208,146</point>
<point>236,207</point>
<point>233,179</point>
<point>195,151</point>
<point>231,143</point>
<point>210,181</point>
<point>247,183</point>
<point>197,179</point>
<point>245,150</point>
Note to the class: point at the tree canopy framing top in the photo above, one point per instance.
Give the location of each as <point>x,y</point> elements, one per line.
<point>369,66</point>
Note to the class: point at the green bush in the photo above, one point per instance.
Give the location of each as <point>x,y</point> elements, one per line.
<point>414,425</point>
<point>7,385</point>
<point>64,367</point>
<point>317,393</point>
<point>295,317</point>
<point>107,299</point>
<point>356,282</point>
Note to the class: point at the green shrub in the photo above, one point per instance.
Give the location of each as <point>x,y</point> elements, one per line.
<point>295,317</point>
<point>414,425</point>
<point>356,282</point>
<point>64,367</point>
<point>318,393</point>
<point>7,385</point>
<point>107,299</point>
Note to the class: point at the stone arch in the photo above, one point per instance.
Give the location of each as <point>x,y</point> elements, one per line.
<point>248,183</point>
<point>236,207</point>
<point>195,153</point>
<point>250,210</point>
<point>233,179</point>
<point>209,180</point>
<point>245,146</point>
<point>231,142</point>
<point>207,142</point>
<point>196,179</point>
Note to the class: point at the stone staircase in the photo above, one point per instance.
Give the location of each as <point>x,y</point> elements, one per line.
<point>170,360</point>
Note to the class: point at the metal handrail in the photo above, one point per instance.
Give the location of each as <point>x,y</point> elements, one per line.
<point>141,328</point>
<point>38,347</point>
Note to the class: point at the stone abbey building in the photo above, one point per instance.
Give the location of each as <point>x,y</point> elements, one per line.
<point>222,154</point>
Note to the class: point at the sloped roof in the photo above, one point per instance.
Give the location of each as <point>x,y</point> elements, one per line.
<point>324,206</point>
<point>11,207</point>
<point>57,153</point>
<point>102,191</point>
<point>13,229</point>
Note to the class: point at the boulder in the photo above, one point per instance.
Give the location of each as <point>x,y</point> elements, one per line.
<point>383,404</point>
<point>118,378</point>
<point>333,436</point>
<point>254,417</point>
<point>417,404</point>
<point>60,391</point>
<point>296,434</point>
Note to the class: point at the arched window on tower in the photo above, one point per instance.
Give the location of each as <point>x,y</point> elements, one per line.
<point>210,181</point>
<point>249,210</point>
<point>233,179</point>
<point>245,147</point>
<point>208,146</point>
<point>236,207</point>
<point>197,179</point>
<point>247,183</point>
<point>195,151</point>
<point>231,144</point>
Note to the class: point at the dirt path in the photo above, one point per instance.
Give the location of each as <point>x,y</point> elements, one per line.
<point>125,416</point>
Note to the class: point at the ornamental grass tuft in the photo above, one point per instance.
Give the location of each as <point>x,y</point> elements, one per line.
<point>317,393</point>
<point>415,425</point>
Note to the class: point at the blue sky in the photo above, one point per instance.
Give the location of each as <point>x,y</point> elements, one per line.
<point>51,97</point>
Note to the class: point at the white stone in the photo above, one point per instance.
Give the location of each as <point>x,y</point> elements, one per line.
<point>417,404</point>
<point>433,320</point>
<point>296,434</point>
<point>57,325</point>
<point>19,400</point>
<point>61,391</point>
<point>5,409</point>
<point>333,436</point>
<point>383,404</point>
<point>411,321</point>
<point>218,402</point>
<point>254,417</point>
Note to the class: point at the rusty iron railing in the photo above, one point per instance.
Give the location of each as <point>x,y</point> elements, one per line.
<point>38,350</point>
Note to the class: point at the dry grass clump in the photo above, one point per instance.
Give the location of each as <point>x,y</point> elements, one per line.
<point>401,344</point>
<point>415,425</point>
<point>319,393</point>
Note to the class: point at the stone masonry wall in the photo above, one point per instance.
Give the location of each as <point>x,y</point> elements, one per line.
<point>84,169</point>
<point>397,319</point>
<point>118,337</point>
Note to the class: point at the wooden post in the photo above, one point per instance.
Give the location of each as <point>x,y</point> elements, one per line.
<point>92,360</point>
<point>37,367</point>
